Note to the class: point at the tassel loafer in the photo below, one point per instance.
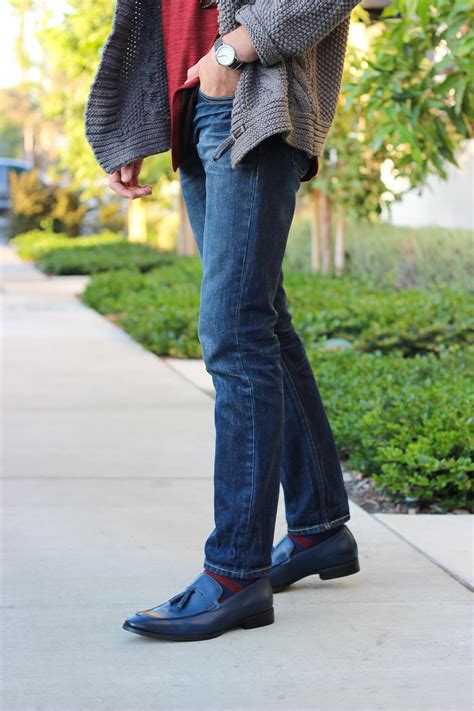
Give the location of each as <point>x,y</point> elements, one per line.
<point>196,613</point>
<point>333,558</point>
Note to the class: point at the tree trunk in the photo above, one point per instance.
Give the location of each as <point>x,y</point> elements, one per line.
<point>340,246</point>
<point>185,243</point>
<point>315,231</point>
<point>137,228</point>
<point>326,246</point>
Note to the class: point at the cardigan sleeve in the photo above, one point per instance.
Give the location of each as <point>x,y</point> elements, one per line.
<point>285,28</point>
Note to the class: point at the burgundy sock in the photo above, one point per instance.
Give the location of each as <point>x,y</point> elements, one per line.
<point>229,586</point>
<point>311,539</point>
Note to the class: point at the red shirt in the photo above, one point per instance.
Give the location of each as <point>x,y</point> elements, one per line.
<point>189,31</point>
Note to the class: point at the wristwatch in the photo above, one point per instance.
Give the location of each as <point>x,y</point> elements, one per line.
<point>225,55</point>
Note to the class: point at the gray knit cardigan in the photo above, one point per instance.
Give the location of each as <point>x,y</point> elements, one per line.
<point>291,89</point>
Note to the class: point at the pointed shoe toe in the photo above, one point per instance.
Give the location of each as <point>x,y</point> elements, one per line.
<point>197,613</point>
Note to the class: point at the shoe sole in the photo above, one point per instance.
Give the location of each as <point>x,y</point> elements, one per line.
<point>338,571</point>
<point>249,623</point>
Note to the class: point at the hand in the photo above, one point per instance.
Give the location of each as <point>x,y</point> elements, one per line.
<point>125,181</point>
<point>215,79</point>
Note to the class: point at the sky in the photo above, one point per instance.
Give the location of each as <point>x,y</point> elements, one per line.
<point>9,24</point>
<point>9,74</point>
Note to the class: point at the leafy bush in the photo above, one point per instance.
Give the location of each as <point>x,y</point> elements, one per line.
<point>400,257</point>
<point>34,244</point>
<point>58,254</point>
<point>410,322</point>
<point>107,292</point>
<point>68,211</point>
<point>159,309</point>
<point>83,259</point>
<point>33,203</point>
<point>403,420</point>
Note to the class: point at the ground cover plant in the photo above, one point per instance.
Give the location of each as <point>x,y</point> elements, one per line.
<point>62,255</point>
<point>393,366</point>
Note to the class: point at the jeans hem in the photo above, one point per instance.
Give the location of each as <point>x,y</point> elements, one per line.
<point>236,573</point>
<point>321,526</point>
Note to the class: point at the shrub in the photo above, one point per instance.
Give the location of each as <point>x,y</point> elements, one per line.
<point>401,257</point>
<point>107,292</point>
<point>68,211</point>
<point>159,309</point>
<point>34,244</point>
<point>403,420</point>
<point>410,322</point>
<point>58,254</point>
<point>112,216</point>
<point>31,201</point>
<point>93,258</point>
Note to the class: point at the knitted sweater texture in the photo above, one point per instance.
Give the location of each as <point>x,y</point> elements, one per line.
<point>291,89</point>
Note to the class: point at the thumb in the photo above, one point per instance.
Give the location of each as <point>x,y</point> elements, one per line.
<point>126,172</point>
<point>193,72</point>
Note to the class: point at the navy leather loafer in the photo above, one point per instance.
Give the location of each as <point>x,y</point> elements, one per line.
<point>333,558</point>
<point>197,614</point>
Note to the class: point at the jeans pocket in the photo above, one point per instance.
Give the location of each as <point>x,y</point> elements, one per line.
<point>301,160</point>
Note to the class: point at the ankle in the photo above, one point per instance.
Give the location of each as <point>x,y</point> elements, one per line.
<point>230,586</point>
<point>302,542</point>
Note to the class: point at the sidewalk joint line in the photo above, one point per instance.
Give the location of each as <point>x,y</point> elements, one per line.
<point>458,577</point>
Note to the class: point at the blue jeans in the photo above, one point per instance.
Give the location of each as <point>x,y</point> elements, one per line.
<point>270,422</point>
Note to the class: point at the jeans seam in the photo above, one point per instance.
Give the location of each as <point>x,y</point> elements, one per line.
<point>320,527</point>
<point>319,468</point>
<point>240,572</point>
<point>237,320</point>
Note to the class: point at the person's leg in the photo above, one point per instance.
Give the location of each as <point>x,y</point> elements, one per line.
<point>249,210</point>
<point>311,476</point>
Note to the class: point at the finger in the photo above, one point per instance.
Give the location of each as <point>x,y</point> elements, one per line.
<point>130,192</point>
<point>137,166</point>
<point>126,172</point>
<point>193,72</point>
<point>142,191</point>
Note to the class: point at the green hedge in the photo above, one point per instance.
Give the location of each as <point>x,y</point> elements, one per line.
<point>407,422</point>
<point>159,309</point>
<point>408,322</point>
<point>58,254</point>
<point>398,399</point>
<point>382,254</point>
<point>34,244</point>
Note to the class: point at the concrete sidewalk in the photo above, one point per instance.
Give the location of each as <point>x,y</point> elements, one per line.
<point>107,499</point>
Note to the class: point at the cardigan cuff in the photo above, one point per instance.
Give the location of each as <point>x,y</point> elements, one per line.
<point>267,51</point>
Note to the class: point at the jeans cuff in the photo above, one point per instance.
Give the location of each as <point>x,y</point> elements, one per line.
<point>236,572</point>
<point>318,528</point>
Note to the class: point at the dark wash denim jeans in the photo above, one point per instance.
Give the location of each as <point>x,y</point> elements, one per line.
<point>270,422</point>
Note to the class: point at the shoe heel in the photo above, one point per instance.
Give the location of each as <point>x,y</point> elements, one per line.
<point>260,620</point>
<point>339,571</point>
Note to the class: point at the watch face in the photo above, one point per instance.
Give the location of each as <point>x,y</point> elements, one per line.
<point>225,54</point>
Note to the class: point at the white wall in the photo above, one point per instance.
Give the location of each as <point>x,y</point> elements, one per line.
<point>446,203</point>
